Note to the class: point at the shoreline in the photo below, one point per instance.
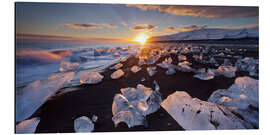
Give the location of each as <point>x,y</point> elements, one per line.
<point>58,113</point>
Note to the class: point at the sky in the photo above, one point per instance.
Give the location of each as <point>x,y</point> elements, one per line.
<point>121,22</point>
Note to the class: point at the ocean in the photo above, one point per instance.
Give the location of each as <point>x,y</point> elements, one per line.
<point>37,61</point>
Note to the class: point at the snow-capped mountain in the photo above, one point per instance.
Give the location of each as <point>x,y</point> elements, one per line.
<point>210,33</point>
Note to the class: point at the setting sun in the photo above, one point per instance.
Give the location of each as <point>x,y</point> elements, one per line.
<point>141,38</point>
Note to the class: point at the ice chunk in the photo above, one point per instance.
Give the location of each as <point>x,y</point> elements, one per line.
<point>212,60</point>
<point>143,79</point>
<point>123,59</point>
<point>35,94</point>
<point>116,54</point>
<point>117,74</point>
<point>27,126</point>
<point>151,70</point>
<point>94,118</point>
<point>228,71</point>
<point>117,66</point>
<point>204,76</point>
<point>166,63</point>
<point>156,85</point>
<point>133,104</point>
<point>67,66</point>
<point>182,58</point>
<point>152,59</point>
<point>170,71</point>
<point>141,61</point>
<point>184,67</point>
<point>213,72</point>
<point>135,69</point>
<point>241,98</point>
<point>227,62</point>
<point>99,51</point>
<point>91,78</point>
<point>83,124</point>
<point>194,114</point>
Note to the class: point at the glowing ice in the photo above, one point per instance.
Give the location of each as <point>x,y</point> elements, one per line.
<point>228,71</point>
<point>67,66</point>
<point>182,58</point>
<point>133,104</point>
<point>117,74</point>
<point>91,78</point>
<point>241,98</point>
<point>166,63</point>
<point>194,114</point>
<point>27,126</point>
<point>135,69</point>
<point>117,66</point>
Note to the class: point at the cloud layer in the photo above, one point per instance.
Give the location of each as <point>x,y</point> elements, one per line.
<point>202,11</point>
<point>186,28</point>
<point>89,26</point>
<point>143,27</point>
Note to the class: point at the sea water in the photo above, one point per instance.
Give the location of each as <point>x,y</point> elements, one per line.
<point>37,61</point>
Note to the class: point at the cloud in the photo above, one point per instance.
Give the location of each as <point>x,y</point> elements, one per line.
<point>186,28</point>
<point>83,26</point>
<point>239,27</point>
<point>202,11</point>
<point>143,27</point>
<point>124,23</point>
<point>110,25</point>
<point>23,37</point>
<point>89,26</point>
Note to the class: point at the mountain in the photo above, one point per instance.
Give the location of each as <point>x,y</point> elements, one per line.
<point>209,33</point>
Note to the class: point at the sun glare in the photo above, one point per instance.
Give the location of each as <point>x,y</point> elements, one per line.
<point>141,38</point>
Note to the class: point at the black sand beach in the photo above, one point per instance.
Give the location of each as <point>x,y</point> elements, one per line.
<point>58,114</point>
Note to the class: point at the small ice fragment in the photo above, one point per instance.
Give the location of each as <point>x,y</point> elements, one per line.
<point>91,78</point>
<point>135,69</point>
<point>123,59</point>
<point>227,62</point>
<point>116,54</point>
<point>151,70</point>
<point>182,58</point>
<point>212,60</point>
<point>141,61</point>
<point>94,118</point>
<point>156,85</point>
<point>228,71</point>
<point>170,71</point>
<point>117,66</point>
<point>184,66</point>
<point>68,66</point>
<point>143,79</point>
<point>204,76</point>
<point>83,124</point>
<point>117,74</point>
<point>27,126</point>
<point>166,63</point>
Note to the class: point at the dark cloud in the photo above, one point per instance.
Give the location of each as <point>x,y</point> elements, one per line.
<point>202,11</point>
<point>90,26</point>
<point>143,27</point>
<point>186,28</point>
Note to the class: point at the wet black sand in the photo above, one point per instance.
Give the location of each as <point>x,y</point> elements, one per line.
<point>58,114</point>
